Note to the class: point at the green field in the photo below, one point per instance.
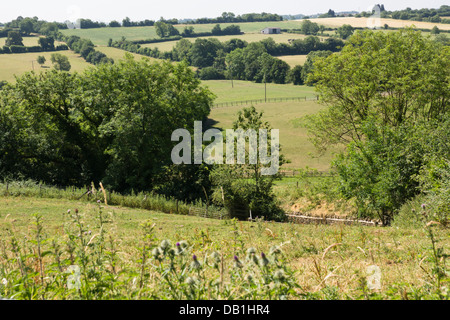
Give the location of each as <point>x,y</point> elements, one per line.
<point>281,115</point>
<point>100,36</point>
<point>327,262</point>
<point>294,140</point>
<point>246,90</point>
<point>17,64</point>
<point>294,60</point>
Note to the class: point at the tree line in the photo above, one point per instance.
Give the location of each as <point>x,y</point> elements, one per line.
<point>14,44</point>
<point>112,124</point>
<point>237,58</point>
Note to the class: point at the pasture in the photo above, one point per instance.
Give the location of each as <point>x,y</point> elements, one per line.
<point>369,22</point>
<point>284,116</point>
<point>12,65</point>
<point>316,261</point>
<point>101,36</point>
<point>246,90</point>
<point>294,60</point>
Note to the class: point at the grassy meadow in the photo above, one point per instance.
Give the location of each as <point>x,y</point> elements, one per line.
<point>101,36</point>
<point>294,60</point>
<point>12,65</point>
<point>368,22</point>
<point>303,261</point>
<point>284,116</point>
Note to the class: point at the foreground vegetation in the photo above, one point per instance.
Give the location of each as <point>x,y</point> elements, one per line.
<point>137,254</point>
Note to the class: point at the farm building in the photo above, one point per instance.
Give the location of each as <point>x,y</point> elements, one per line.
<point>271,31</point>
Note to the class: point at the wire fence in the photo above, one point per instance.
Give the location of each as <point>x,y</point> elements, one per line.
<point>268,100</point>
<point>293,173</point>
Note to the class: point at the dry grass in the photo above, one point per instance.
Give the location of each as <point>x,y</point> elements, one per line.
<point>294,60</point>
<point>17,64</point>
<point>331,259</point>
<point>368,22</point>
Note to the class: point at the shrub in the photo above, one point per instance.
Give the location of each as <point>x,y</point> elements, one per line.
<point>34,49</point>
<point>18,49</point>
<point>211,73</point>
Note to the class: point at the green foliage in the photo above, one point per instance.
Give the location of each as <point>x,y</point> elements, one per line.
<point>255,64</point>
<point>14,39</point>
<point>345,31</point>
<point>383,171</point>
<point>295,75</point>
<point>397,77</point>
<point>435,30</point>
<point>60,62</point>
<point>41,60</point>
<point>387,97</point>
<point>164,30</point>
<point>242,187</point>
<point>308,67</point>
<point>204,52</point>
<point>309,28</point>
<point>111,124</point>
<point>159,269</point>
<point>47,43</point>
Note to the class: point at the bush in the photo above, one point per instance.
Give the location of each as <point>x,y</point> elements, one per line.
<point>34,49</point>
<point>211,73</point>
<point>61,47</point>
<point>18,49</point>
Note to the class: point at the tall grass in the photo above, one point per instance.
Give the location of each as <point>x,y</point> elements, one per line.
<point>141,200</point>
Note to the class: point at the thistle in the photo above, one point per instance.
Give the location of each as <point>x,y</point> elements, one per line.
<point>195,264</point>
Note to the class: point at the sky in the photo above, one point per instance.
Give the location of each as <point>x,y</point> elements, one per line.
<point>136,10</point>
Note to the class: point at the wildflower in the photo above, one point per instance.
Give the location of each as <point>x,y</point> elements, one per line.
<point>171,252</point>
<point>251,255</point>
<point>156,253</point>
<point>191,281</point>
<point>263,261</point>
<point>98,201</point>
<point>4,282</point>
<point>216,257</point>
<point>183,244</point>
<point>250,252</point>
<point>178,249</point>
<point>195,264</point>
<point>165,245</point>
<point>279,275</point>
<point>68,211</point>
<point>76,210</point>
<point>237,263</point>
<point>423,206</point>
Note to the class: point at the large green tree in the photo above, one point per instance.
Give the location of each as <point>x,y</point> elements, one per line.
<point>60,62</point>
<point>112,123</point>
<point>243,187</point>
<point>396,76</point>
<point>14,39</point>
<point>387,94</point>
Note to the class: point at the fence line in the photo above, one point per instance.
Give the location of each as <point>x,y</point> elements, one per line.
<point>247,102</point>
<point>293,173</point>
